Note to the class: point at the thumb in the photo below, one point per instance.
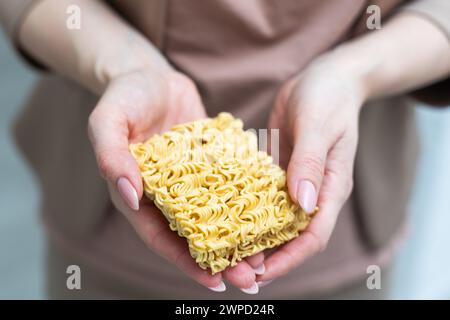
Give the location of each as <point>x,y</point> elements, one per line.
<point>306,169</point>
<point>109,137</point>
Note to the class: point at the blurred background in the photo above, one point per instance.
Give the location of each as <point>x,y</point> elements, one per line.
<point>421,269</point>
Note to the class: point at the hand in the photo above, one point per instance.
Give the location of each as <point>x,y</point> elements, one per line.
<point>135,106</point>
<point>317,114</point>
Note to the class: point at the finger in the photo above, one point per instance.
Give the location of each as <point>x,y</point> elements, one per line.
<point>242,276</point>
<point>257,263</point>
<point>335,190</point>
<point>308,243</point>
<point>152,228</point>
<point>108,133</point>
<point>306,168</point>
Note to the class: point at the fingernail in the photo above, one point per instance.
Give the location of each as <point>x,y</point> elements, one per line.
<point>220,288</point>
<point>263,283</point>
<point>260,269</point>
<point>307,196</point>
<point>252,290</point>
<point>128,193</point>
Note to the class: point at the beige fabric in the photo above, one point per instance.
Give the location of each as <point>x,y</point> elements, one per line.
<point>98,285</point>
<point>239,53</point>
<point>151,21</point>
<point>437,11</point>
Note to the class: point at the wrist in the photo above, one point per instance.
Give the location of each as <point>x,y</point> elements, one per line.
<point>134,55</point>
<point>355,67</point>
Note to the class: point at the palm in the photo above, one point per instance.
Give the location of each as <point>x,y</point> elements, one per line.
<point>134,107</point>
<point>151,104</point>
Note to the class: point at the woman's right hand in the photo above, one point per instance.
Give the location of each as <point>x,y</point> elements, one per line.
<point>134,106</point>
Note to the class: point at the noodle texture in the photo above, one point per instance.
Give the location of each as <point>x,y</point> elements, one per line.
<point>216,189</point>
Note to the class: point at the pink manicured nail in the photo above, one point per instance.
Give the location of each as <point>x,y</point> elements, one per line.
<point>307,196</point>
<point>128,193</point>
<point>252,290</point>
<point>220,288</point>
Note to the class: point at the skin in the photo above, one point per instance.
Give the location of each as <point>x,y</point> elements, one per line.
<point>115,122</point>
<point>319,132</point>
<point>316,111</point>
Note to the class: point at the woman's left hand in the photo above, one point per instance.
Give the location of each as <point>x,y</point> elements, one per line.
<point>317,115</point>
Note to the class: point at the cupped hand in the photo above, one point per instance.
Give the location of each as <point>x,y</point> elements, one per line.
<point>317,115</point>
<point>135,106</point>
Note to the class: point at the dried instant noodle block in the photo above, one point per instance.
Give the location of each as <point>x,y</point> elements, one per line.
<point>218,191</point>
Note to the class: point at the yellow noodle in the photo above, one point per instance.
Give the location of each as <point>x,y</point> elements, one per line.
<point>218,191</point>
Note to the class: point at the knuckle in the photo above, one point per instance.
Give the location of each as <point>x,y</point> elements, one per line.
<point>92,119</point>
<point>344,185</point>
<point>248,280</point>
<point>311,165</point>
<point>285,92</point>
<point>291,262</point>
<point>245,281</point>
<point>177,257</point>
<point>240,276</point>
<point>320,244</point>
<point>309,116</point>
<point>349,186</point>
<point>104,164</point>
<point>188,83</point>
<point>182,81</point>
<point>90,125</point>
<point>347,189</point>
